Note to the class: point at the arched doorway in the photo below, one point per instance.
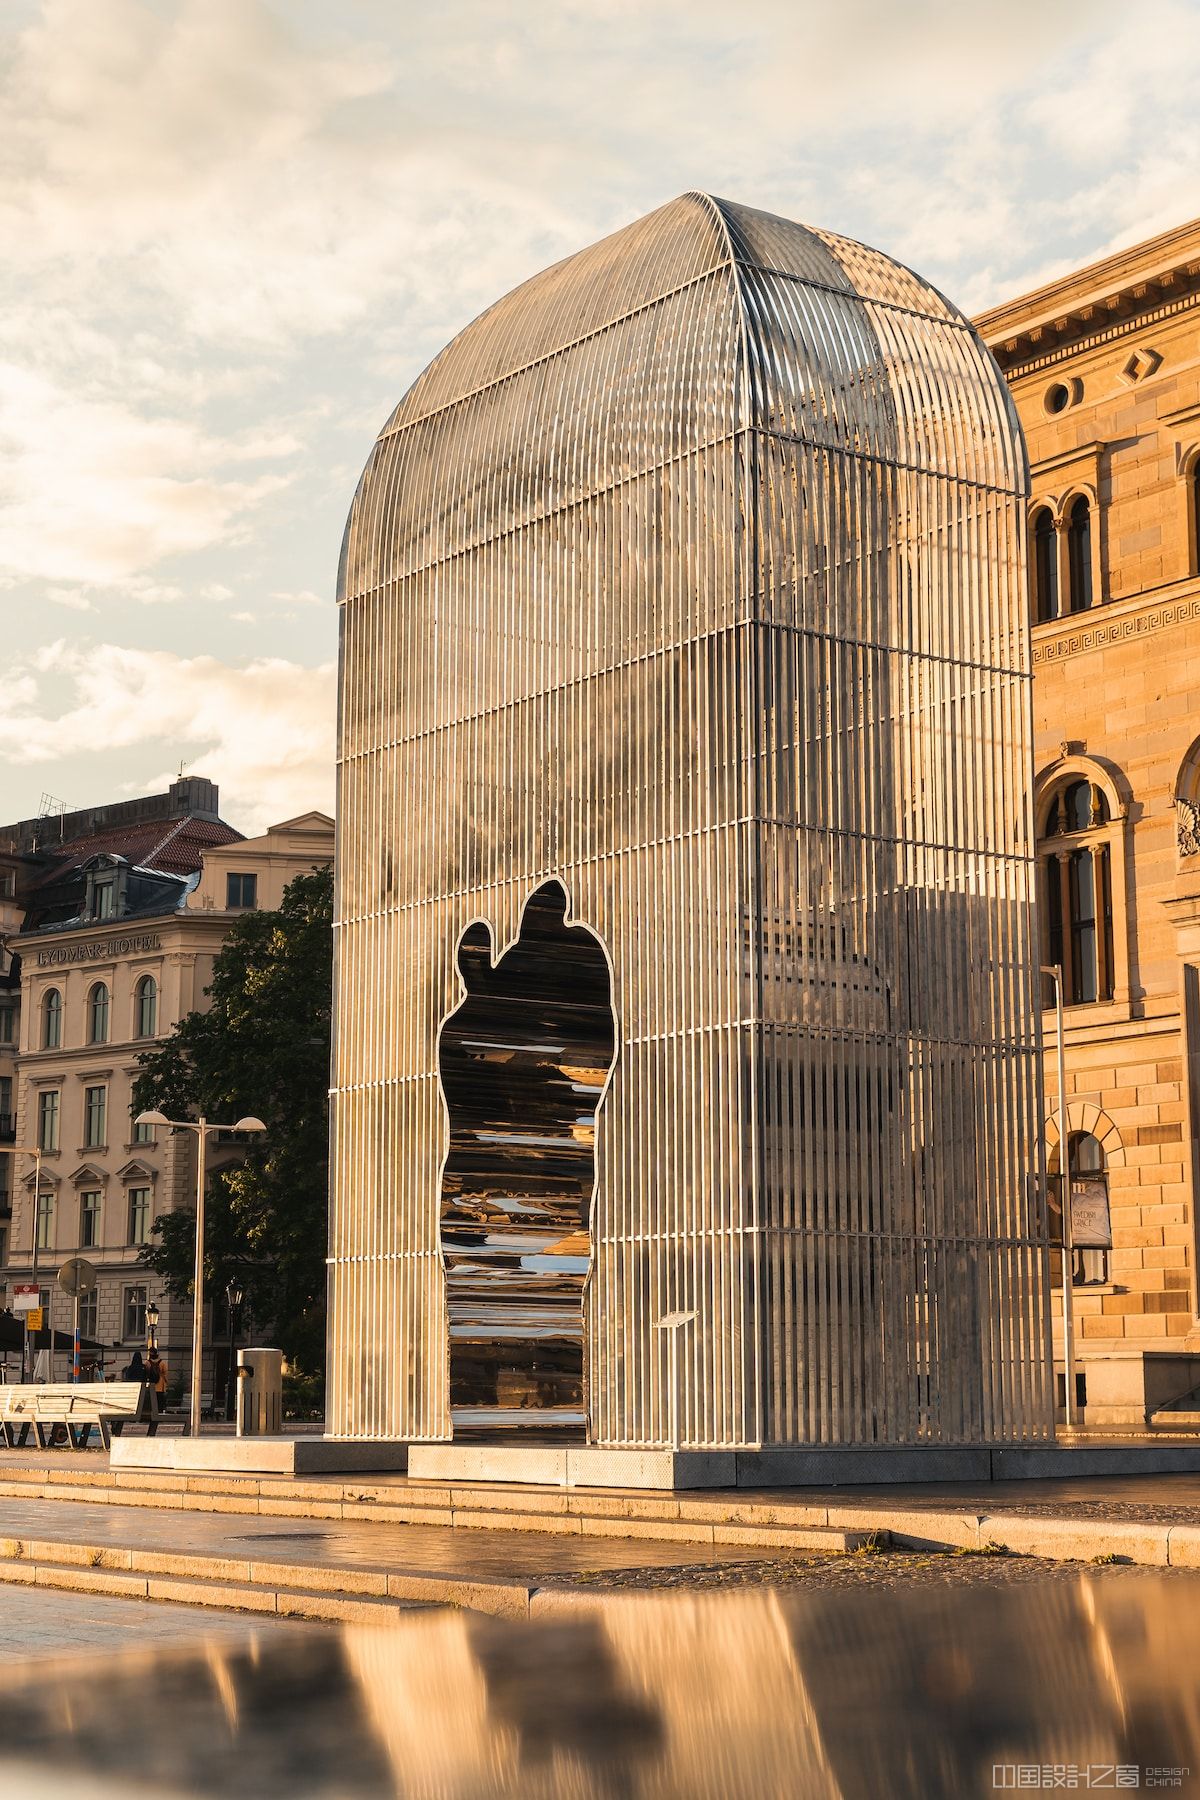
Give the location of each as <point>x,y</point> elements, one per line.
<point>523,1064</point>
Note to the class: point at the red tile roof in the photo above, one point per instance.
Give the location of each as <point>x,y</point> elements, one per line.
<point>175,846</point>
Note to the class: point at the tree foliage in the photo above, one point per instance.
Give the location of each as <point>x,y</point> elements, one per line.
<point>262,1048</point>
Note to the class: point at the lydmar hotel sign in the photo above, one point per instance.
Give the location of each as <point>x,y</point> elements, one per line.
<point>100,951</point>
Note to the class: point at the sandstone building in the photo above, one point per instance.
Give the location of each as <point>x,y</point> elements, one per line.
<point>1104,367</point>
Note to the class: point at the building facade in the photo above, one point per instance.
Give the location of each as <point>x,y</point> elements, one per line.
<point>1104,368</point>
<point>685,1084</point>
<point>121,921</point>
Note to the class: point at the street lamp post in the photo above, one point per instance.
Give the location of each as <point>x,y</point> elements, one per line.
<point>152,1326</point>
<point>202,1127</point>
<point>1054,970</point>
<point>233,1299</point>
<point>34,1150</point>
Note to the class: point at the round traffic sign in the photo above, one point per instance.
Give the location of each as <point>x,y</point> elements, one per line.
<point>77,1276</point>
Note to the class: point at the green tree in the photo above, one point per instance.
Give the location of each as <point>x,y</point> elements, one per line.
<point>262,1048</point>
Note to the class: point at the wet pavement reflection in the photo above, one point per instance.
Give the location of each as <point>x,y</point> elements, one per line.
<point>949,1691</point>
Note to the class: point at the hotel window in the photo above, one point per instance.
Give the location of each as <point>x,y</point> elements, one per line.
<point>95,1117</point>
<point>89,1219</point>
<point>103,899</point>
<point>146,1005</point>
<point>7,1122</point>
<point>139,1215</point>
<point>241,891</point>
<point>98,1014</point>
<point>45,1221</point>
<point>48,1105</point>
<point>8,1024</point>
<point>143,1133</point>
<point>52,1020</point>
<point>1076,873</point>
<point>1044,565</point>
<point>89,1314</point>
<point>1079,555</point>
<point>135,1312</point>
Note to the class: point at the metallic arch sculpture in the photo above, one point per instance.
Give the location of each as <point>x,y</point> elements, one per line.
<point>691,575</point>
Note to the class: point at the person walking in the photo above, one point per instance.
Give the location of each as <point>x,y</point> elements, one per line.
<point>159,1374</point>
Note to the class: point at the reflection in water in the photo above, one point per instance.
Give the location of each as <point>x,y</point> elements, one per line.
<point>523,1063</point>
<point>878,1693</point>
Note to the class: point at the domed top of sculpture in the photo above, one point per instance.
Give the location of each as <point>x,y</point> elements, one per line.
<point>703,319</point>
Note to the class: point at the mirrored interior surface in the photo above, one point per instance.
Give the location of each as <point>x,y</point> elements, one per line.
<point>905,1692</point>
<point>523,1061</point>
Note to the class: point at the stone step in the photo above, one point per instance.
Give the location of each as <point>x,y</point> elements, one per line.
<point>256,1584</point>
<point>785,1526</point>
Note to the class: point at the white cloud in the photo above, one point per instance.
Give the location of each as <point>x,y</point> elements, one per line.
<point>263,731</point>
<point>301,597</point>
<point>96,492</point>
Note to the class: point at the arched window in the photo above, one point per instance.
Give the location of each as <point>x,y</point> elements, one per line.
<point>1187,803</point>
<point>146,1003</point>
<point>52,1020</point>
<point>1079,556</point>
<point>1044,571</point>
<point>1076,873</point>
<point>98,1014</point>
<point>1194,512</point>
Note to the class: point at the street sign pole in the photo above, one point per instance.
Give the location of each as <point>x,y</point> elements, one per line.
<point>76,1278</point>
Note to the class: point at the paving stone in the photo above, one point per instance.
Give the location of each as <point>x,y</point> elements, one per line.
<point>1076,1539</point>
<point>210,1593</point>
<point>217,1568</point>
<point>91,1581</point>
<point>328,1608</point>
<point>312,1575</point>
<point>541,1522</point>
<point>958,1531</point>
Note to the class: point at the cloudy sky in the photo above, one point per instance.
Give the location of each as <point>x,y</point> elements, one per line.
<point>234,230</point>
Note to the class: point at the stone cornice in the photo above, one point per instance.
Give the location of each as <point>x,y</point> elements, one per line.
<point>1082,453</point>
<point>1117,622</point>
<point>1122,293</point>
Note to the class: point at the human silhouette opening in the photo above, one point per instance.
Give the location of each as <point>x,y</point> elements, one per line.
<point>524,1060</point>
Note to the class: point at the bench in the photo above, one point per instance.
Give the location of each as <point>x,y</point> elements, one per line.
<point>107,1405</point>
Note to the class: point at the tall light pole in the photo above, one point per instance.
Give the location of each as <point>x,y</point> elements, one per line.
<point>34,1150</point>
<point>1054,970</point>
<point>202,1128</point>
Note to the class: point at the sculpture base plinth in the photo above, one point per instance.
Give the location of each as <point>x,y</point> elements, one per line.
<point>594,1466</point>
<point>222,1455</point>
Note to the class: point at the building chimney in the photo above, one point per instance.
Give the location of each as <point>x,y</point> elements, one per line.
<point>193,795</point>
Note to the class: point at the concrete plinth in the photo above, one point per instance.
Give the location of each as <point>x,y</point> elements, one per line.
<point>593,1466</point>
<point>572,1465</point>
<point>257,1455</point>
